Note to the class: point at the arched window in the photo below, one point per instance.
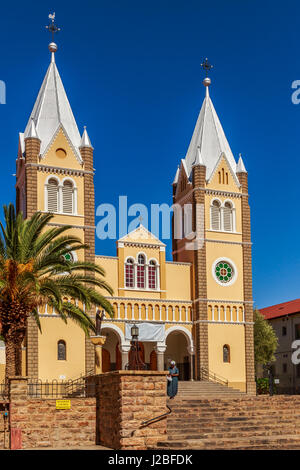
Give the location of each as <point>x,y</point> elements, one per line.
<point>152,275</point>
<point>61,350</point>
<point>129,273</point>
<point>226,353</point>
<point>52,193</point>
<point>141,272</point>
<point>215,215</point>
<point>68,197</point>
<point>228,217</point>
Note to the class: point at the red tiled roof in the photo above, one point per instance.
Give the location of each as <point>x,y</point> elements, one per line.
<point>280,310</point>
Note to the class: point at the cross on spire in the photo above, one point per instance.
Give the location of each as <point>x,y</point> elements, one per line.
<point>206,66</point>
<point>52,26</point>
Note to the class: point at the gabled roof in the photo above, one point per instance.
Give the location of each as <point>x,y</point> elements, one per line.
<point>208,139</point>
<point>141,235</point>
<point>52,111</point>
<point>280,310</point>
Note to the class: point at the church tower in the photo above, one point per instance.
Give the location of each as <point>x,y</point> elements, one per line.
<point>216,188</point>
<point>55,174</point>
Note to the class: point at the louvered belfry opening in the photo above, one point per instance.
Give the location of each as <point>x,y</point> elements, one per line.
<point>227,214</point>
<point>216,215</point>
<point>67,197</point>
<point>52,195</point>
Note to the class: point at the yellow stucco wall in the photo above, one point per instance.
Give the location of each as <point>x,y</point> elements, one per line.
<point>234,336</point>
<point>53,330</point>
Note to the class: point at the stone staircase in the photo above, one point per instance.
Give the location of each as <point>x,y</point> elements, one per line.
<point>205,389</point>
<point>233,422</point>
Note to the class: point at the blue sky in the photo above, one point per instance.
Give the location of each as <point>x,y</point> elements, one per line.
<point>132,73</point>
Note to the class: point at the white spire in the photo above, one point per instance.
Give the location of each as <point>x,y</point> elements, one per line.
<point>52,110</point>
<point>240,168</point>
<point>85,140</point>
<point>208,138</point>
<point>32,131</point>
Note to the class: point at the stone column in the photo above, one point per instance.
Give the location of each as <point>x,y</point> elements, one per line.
<point>32,151</point>
<point>124,352</point>
<point>200,306</point>
<point>191,357</point>
<point>160,352</point>
<point>89,234</point>
<point>247,275</point>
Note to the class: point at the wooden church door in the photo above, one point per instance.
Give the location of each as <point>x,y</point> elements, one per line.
<point>105,360</point>
<point>153,360</point>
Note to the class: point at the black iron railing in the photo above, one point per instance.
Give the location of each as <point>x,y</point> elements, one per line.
<point>83,386</point>
<point>206,374</point>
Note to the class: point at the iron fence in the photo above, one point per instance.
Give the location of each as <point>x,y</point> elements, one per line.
<point>206,374</point>
<point>81,387</point>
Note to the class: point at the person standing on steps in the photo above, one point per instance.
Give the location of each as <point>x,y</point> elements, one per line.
<point>172,380</point>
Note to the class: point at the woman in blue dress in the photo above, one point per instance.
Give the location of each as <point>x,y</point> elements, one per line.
<point>173,384</point>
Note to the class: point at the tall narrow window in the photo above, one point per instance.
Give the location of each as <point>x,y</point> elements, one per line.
<point>228,217</point>
<point>226,353</point>
<point>215,215</point>
<point>152,275</point>
<point>141,272</point>
<point>129,273</point>
<point>52,195</point>
<point>61,350</point>
<point>68,193</point>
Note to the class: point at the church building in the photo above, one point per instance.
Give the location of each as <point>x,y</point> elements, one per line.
<point>197,308</point>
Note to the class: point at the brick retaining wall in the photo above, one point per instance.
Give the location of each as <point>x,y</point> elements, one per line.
<point>42,425</point>
<point>126,399</point>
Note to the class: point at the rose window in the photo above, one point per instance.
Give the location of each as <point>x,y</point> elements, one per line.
<point>224,271</point>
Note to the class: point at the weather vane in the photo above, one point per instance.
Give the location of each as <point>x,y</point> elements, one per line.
<point>206,66</point>
<point>52,26</point>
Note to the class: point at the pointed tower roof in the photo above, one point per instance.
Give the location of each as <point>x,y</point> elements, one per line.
<point>85,140</point>
<point>240,168</point>
<point>208,140</point>
<point>52,110</point>
<point>32,131</point>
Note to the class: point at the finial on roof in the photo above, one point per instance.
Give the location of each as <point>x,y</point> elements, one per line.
<point>207,67</point>
<point>240,168</point>
<point>85,140</point>
<point>199,159</point>
<point>32,133</point>
<point>53,29</point>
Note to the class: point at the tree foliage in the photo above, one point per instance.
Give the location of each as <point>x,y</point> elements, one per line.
<point>36,269</point>
<point>265,340</point>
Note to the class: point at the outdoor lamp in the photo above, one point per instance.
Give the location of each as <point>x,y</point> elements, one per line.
<point>134,332</point>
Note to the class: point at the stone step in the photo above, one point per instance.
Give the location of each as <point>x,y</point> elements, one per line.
<point>262,442</point>
<point>234,434</point>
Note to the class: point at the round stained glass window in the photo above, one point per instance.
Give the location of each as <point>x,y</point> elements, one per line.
<point>224,271</point>
<point>69,257</point>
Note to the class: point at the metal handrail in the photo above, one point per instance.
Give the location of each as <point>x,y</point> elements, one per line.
<point>208,374</point>
<point>146,423</point>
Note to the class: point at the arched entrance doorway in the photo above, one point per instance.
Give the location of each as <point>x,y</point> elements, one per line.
<point>111,356</point>
<point>153,360</point>
<point>177,350</point>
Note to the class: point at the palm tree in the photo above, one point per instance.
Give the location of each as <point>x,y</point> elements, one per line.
<point>36,269</point>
